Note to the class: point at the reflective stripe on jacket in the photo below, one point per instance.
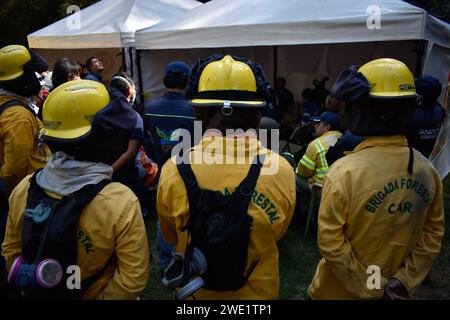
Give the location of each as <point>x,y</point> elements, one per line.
<point>314,163</point>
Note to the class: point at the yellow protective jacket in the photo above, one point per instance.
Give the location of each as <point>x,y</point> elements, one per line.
<point>374,213</point>
<point>20,153</point>
<point>271,208</point>
<point>314,163</point>
<point>110,225</point>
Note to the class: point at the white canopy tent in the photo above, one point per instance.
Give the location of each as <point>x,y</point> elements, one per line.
<point>103,29</point>
<point>299,39</point>
<point>235,23</point>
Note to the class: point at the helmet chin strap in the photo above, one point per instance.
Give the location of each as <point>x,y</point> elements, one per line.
<point>133,98</point>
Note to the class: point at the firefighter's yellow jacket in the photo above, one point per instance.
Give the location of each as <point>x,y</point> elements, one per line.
<point>110,226</point>
<point>375,215</point>
<point>20,153</point>
<point>314,164</point>
<point>271,207</point>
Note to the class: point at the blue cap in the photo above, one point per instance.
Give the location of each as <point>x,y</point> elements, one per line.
<point>429,87</point>
<point>177,67</point>
<point>330,118</point>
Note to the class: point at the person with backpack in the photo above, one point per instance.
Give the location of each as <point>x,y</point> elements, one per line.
<point>226,202</point>
<point>70,216</point>
<point>381,217</point>
<point>20,151</point>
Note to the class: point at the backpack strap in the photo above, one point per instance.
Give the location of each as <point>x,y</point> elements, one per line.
<point>247,186</point>
<point>12,103</point>
<point>192,188</point>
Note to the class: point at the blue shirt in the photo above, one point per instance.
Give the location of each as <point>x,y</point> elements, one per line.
<point>94,77</point>
<point>163,118</point>
<point>427,122</point>
<point>347,142</point>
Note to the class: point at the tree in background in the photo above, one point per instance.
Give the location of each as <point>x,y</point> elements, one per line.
<point>438,8</point>
<point>18,18</point>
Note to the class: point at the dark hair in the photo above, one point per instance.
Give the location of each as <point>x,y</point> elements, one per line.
<point>120,84</point>
<point>104,146</point>
<point>63,70</point>
<point>88,63</point>
<point>176,80</point>
<point>26,85</point>
<point>241,118</point>
<point>382,117</point>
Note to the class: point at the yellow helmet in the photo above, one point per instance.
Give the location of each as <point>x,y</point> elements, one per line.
<point>12,59</point>
<point>69,110</point>
<point>227,82</point>
<point>389,78</point>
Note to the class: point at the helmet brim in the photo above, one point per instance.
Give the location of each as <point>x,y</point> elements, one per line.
<point>66,136</point>
<point>12,76</point>
<point>232,103</point>
<point>393,95</point>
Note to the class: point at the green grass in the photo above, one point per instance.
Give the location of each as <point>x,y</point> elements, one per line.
<point>437,284</point>
<point>299,258</point>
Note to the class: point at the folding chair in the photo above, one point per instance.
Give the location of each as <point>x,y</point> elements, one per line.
<point>313,208</point>
<point>297,141</point>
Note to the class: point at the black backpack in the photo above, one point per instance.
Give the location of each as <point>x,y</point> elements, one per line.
<point>52,234</point>
<point>220,227</point>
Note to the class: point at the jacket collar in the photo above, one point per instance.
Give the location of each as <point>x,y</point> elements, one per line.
<point>330,133</point>
<point>369,142</point>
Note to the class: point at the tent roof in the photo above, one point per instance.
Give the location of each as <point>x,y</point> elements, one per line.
<point>107,24</point>
<point>225,23</point>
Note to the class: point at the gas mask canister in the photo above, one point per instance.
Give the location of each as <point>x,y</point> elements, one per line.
<point>184,274</point>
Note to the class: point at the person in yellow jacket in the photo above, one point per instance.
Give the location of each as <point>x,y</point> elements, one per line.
<point>20,151</point>
<point>220,162</point>
<point>313,166</point>
<point>381,218</point>
<point>111,241</point>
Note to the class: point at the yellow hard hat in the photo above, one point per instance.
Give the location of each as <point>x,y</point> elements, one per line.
<point>389,78</point>
<point>227,82</point>
<point>69,109</point>
<point>12,59</point>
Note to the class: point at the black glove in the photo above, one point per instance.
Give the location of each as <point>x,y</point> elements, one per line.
<point>395,290</point>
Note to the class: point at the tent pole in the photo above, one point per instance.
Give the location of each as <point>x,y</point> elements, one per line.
<point>139,67</point>
<point>275,64</point>
<point>124,60</point>
<point>130,52</point>
<point>421,47</point>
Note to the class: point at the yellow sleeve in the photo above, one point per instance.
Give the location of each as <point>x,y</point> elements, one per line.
<point>336,249</point>
<point>419,261</point>
<point>131,252</point>
<point>307,164</point>
<point>18,139</point>
<point>171,202</point>
<point>12,244</point>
